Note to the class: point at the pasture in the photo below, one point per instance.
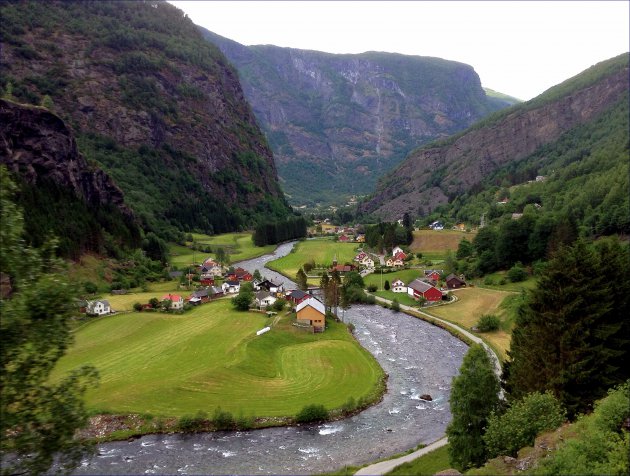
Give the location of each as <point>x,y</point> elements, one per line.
<point>173,365</point>
<point>433,244</point>
<point>471,305</point>
<point>321,251</point>
<point>238,246</point>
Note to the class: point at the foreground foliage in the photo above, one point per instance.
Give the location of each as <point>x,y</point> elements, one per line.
<point>37,419</point>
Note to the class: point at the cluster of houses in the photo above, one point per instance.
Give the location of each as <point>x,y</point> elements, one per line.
<point>426,287</point>
<point>364,260</point>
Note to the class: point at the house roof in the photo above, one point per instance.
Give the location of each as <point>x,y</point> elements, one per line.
<point>260,295</point>
<point>451,277</point>
<point>232,283</point>
<point>398,282</point>
<point>419,286</point>
<point>312,302</point>
<point>91,304</point>
<point>297,294</point>
<point>199,293</point>
<point>172,297</point>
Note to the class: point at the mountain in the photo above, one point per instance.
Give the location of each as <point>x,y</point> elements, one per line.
<point>89,209</point>
<point>527,138</point>
<point>155,105</point>
<point>336,122</point>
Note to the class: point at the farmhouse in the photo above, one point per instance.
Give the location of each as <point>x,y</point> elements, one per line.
<point>231,287</point>
<point>398,286</point>
<point>264,299</point>
<point>367,262</point>
<point>199,296</point>
<point>271,287</point>
<point>395,262</point>
<point>418,289</point>
<point>311,312</point>
<point>98,308</point>
<point>297,296</point>
<point>432,274</point>
<point>177,302</point>
<point>240,274</point>
<point>454,282</point>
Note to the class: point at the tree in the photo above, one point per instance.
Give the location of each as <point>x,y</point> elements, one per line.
<point>155,302</point>
<point>386,286</point>
<point>474,397</point>
<point>222,257</point>
<point>570,336</point>
<point>301,280</point>
<point>257,276</point>
<point>464,249</point>
<point>38,418</point>
<point>521,423</point>
<point>244,298</point>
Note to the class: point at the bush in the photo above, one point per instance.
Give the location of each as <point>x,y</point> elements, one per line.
<point>90,287</point>
<point>193,423</point>
<point>488,281</point>
<point>386,286</point>
<point>521,423</point>
<point>395,305</point>
<point>372,288</point>
<point>517,273</point>
<point>137,307</point>
<point>279,305</point>
<point>223,420</point>
<point>488,323</point>
<point>312,413</point>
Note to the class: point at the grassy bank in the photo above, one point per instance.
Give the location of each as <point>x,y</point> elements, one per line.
<point>173,365</point>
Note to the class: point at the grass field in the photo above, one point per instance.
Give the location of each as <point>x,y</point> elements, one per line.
<point>426,465</point>
<point>472,304</point>
<point>406,275</point>
<point>173,365</point>
<point>434,244</point>
<point>322,251</point>
<point>239,247</point>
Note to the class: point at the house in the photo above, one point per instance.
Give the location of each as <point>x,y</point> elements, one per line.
<point>271,287</point>
<point>344,238</point>
<point>367,262</point>
<point>436,225</point>
<point>177,302</point>
<point>342,268</point>
<point>98,308</point>
<point>432,274</point>
<point>454,282</point>
<point>205,281</point>
<point>460,226</point>
<point>297,296</point>
<point>398,286</point>
<point>417,289</point>
<point>396,250</point>
<point>264,299</point>
<point>215,292</point>
<point>395,262</point>
<point>211,269</point>
<point>311,312</point>
<point>199,296</point>
<point>231,287</point>
<point>241,274</point>
<point>401,256</point>
<point>361,256</point>
<point>360,238</point>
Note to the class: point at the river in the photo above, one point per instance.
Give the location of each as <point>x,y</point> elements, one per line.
<point>419,359</point>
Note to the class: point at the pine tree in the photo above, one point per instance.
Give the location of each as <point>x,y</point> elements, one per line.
<point>301,280</point>
<point>569,336</point>
<point>473,398</point>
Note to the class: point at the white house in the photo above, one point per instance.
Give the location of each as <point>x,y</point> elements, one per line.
<point>264,299</point>
<point>367,262</point>
<point>177,302</point>
<point>98,308</point>
<point>399,287</point>
<point>231,287</point>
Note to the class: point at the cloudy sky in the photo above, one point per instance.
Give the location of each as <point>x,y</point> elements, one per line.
<point>518,48</point>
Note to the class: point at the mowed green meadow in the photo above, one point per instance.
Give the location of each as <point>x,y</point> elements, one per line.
<point>173,365</point>
<point>238,246</point>
<point>321,251</point>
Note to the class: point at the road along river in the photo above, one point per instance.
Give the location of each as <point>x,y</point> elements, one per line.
<point>419,359</point>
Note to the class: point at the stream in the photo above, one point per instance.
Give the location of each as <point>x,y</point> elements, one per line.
<point>419,359</point>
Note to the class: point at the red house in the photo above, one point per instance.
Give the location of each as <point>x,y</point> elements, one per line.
<point>241,274</point>
<point>417,289</point>
<point>432,274</point>
<point>207,281</point>
<point>297,296</point>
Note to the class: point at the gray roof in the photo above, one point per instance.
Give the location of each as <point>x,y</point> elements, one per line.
<point>200,293</point>
<point>419,286</point>
<point>314,303</point>
<point>260,295</point>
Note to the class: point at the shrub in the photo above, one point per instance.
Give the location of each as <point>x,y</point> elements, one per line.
<point>488,281</point>
<point>517,273</point>
<point>395,305</point>
<point>90,287</point>
<point>223,420</point>
<point>312,413</point>
<point>279,305</point>
<point>372,288</point>
<point>137,307</point>
<point>193,423</point>
<point>370,300</point>
<point>521,423</point>
<point>386,286</point>
<point>488,323</point>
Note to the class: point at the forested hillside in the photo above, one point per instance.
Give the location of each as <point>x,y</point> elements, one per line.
<point>337,122</point>
<point>151,102</point>
<point>575,136</point>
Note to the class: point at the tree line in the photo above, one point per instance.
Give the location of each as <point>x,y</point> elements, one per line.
<point>271,233</point>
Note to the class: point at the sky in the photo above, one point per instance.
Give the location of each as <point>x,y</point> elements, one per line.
<point>517,48</point>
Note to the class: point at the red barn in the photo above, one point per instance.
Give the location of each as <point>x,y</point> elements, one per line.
<point>417,289</point>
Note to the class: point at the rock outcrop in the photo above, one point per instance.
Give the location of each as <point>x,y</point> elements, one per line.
<point>435,174</point>
<point>338,122</point>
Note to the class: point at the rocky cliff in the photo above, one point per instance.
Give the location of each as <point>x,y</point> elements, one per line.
<point>435,174</point>
<point>338,122</point>
<point>37,147</point>
<point>157,106</point>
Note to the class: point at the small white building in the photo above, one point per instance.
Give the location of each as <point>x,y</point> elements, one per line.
<point>177,302</point>
<point>367,262</point>
<point>98,308</point>
<point>264,299</point>
<point>231,287</point>
<point>399,287</point>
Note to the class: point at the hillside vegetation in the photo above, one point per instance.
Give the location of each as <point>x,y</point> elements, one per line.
<point>150,101</point>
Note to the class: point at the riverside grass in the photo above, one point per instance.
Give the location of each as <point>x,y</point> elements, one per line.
<point>171,365</point>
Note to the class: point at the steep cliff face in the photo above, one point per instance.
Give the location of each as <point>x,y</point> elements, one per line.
<point>435,174</point>
<point>39,149</point>
<point>337,122</point>
<point>139,75</point>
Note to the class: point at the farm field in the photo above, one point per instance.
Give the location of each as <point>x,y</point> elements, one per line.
<point>238,246</point>
<point>472,304</point>
<point>434,244</point>
<point>322,251</point>
<point>406,275</point>
<point>174,365</point>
